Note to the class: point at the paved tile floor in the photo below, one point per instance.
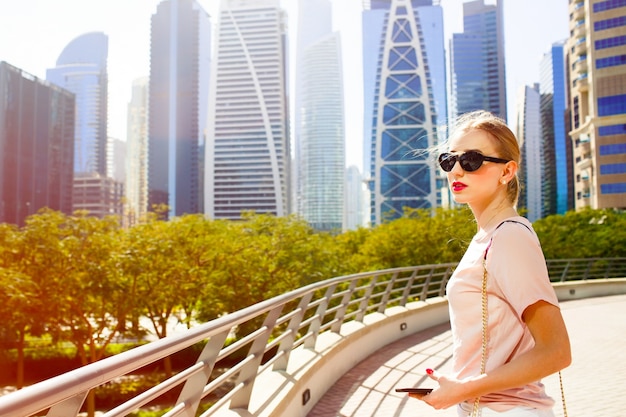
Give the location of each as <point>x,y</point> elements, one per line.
<point>595,383</point>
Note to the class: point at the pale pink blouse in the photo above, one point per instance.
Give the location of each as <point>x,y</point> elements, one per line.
<point>517,278</point>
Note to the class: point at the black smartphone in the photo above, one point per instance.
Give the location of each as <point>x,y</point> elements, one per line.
<point>420,391</point>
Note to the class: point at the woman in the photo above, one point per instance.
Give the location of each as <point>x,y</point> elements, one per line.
<point>526,336</point>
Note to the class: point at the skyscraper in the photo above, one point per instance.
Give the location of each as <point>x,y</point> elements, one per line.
<point>247,149</point>
<point>557,147</point>
<point>399,110</point>
<point>319,119</point>
<point>477,61</point>
<point>136,186</point>
<point>36,145</point>
<point>597,77</point>
<point>528,126</point>
<point>178,92</point>
<point>82,69</point>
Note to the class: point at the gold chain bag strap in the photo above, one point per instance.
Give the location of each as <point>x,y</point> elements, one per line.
<point>476,410</point>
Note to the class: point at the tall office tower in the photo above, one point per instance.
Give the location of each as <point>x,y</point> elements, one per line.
<point>399,110</point>
<point>36,145</point>
<point>477,61</point>
<point>597,75</point>
<point>354,200</point>
<point>319,119</point>
<point>136,185</point>
<point>116,159</point>
<point>529,135</point>
<point>557,147</point>
<point>179,79</point>
<point>82,69</point>
<point>247,149</point>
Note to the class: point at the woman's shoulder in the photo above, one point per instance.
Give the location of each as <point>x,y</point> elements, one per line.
<point>516,229</point>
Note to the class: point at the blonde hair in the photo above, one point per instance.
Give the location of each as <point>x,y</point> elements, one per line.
<point>507,146</point>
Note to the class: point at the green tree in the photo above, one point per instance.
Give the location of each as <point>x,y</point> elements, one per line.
<point>583,234</point>
<point>419,237</point>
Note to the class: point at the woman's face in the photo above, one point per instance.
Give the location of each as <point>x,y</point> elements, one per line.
<point>481,186</point>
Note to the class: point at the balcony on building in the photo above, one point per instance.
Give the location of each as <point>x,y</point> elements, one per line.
<point>580,30</point>
<point>581,82</point>
<point>579,10</point>
<point>580,47</point>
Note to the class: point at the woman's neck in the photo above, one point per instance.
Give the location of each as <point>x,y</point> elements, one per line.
<point>491,216</point>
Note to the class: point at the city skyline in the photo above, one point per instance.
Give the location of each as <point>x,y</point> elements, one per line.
<point>34,32</point>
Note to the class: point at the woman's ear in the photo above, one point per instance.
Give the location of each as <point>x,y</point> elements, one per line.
<point>509,172</point>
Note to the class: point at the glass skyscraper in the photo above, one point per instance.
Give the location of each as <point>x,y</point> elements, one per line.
<point>247,149</point>
<point>178,92</point>
<point>319,119</point>
<point>557,147</point>
<point>477,61</point>
<point>136,186</point>
<point>82,69</point>
<point>529,134</point>
<point>399,110</point>
<point>36,145</point>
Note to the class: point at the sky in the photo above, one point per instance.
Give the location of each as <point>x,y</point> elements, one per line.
<point>33,33</point>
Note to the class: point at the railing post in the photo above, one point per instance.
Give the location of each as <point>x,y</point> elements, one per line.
<point>426,285</point>
<point>316,324</point>
<point>69,407</point>
<point>407,288</point>
<point>366,298</point>
<point>248,373</point>
<point>284,349</point>
<point>191,393</point>
<point>385,298</point>
<point>341,311</point>
<point>444,281</point>
<point>564,273</point>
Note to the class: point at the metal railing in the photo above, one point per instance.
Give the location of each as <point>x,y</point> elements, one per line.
<point>224,373</point>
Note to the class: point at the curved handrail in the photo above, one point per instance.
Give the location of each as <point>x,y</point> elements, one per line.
<point>274,328</point>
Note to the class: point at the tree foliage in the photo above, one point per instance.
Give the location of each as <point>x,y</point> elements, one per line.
<point>87,281</point>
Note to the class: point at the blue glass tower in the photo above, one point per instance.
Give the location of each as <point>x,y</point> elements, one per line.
<point>477,61</point>
<point>557,147</point>
<point>401,103</point>
<point>82,69</point>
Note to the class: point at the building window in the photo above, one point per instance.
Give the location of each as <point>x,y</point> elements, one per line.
<point>614,149</point>
<point>608,5</point>
<point>610,169</point>
<point>615,188</point>
<point>611,105</point>
<point>612,130</point>
<point>609,23</point>
<point>610,42</point>
<point>611,61</point>
<point>576,113</point>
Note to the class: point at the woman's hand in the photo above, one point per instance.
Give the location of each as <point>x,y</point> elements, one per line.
<point>450,392</point>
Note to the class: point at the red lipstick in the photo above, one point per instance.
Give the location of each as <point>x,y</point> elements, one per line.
<point>458,186</point>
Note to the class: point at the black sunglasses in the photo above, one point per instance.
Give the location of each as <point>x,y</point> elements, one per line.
<point>470,161</point>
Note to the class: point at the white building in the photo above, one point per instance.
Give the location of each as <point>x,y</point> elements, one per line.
<point>319,119</point>
<point>247,153</point>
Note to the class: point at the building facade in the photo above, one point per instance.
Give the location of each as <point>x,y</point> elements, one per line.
<point>180,48</point>
<point>557,169</point>
<point>399,109</point>
<point>36,145</point>
<point>597,81</point>
<point>319,119</point>
<point>247,155</point>
<point>82,69</point>
<point>136,184</point>
<point>477,61</point>
<point>529,134</point>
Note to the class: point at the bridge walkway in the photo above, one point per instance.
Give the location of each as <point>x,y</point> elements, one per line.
<point>595,383</point>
